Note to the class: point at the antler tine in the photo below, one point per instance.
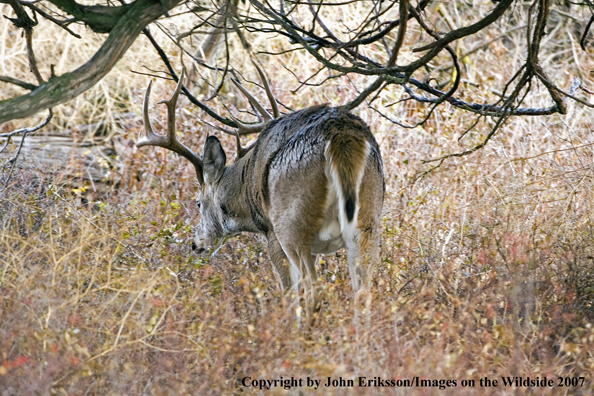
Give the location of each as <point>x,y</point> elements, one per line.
<point>240,150</point>
<point>263,112</point>
<point>168,141</point>
<point>246,129</point>
<point>266,84</point>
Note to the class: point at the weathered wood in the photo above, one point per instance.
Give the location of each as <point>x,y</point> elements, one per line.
<point>81,160</point>
<point>86,152</point>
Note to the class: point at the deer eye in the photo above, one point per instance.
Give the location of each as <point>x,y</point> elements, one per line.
<point>198,204</point>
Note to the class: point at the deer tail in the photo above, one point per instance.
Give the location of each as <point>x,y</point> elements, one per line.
<point>346,155</point>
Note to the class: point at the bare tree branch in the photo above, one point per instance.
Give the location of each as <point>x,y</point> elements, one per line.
<point>68,86</point>
<point>401,33</point>
<point>61,23</point>
<point>186,92</point>
<point>101,19</point>
<point>585,34</point>
<point>25,22</point>
<point>373,45</point>
<point>22,84</point>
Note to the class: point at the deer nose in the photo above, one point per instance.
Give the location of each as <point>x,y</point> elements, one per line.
<point>197,249</point>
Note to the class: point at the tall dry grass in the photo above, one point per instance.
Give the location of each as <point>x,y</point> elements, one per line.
<point>486,262</point>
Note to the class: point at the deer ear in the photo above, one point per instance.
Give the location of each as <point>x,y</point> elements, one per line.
<point>214,159</point>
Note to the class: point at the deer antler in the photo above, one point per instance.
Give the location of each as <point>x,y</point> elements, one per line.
<point>168,141</point>
<point>246,129</point>
<point>269,94</point>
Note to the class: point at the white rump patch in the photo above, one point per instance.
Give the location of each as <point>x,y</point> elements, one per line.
<point>348,229</point>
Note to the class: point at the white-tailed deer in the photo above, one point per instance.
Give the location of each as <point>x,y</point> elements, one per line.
<point>312,183</point>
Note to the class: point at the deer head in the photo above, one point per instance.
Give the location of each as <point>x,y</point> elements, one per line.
<point>221,216</point>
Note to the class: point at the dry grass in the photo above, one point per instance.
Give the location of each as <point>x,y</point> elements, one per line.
<point>487,262</point>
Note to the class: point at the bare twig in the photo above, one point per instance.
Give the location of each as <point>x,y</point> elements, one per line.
<point>61,23</point>
<point>401,33</point>
<point>12,161</point>
<point>585,34</point>
<point>186,92</point>
<point>15,81</point>
<point>25,22</point>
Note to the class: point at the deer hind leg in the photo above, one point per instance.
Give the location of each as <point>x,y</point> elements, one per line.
<point>362,243</point>
<point>362,255</point>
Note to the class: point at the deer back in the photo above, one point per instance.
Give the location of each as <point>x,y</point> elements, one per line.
<point>299,153</point>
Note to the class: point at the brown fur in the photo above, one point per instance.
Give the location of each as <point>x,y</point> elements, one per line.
<point>281,188</point>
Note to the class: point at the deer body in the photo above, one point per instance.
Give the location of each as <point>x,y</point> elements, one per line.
<point>312,183</point>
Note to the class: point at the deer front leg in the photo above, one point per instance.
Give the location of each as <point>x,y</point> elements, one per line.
<point>303,272</point>
<point>311,288</point>
<point>289,274</point>
<point>280,261</point>
<point>295,269</point>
